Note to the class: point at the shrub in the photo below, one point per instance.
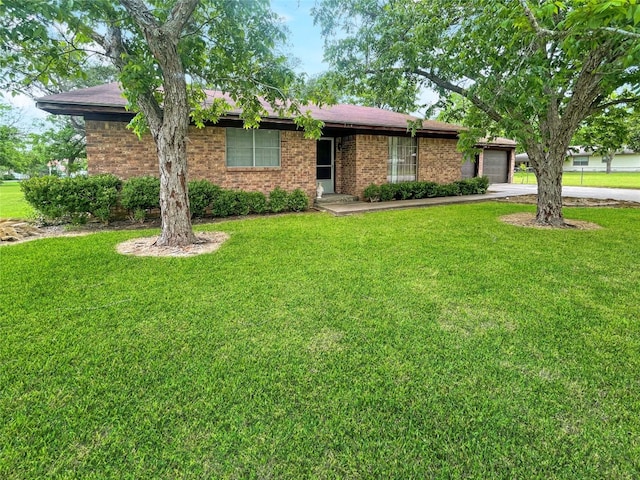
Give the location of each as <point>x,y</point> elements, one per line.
<point>424,189</point>
<point>257,202</point>
<point>447,190</point>
<point>102,192</point>
<point>139,195</point>
<point>387,192</point>
<point>224,204</point>
<point>278,200</point>
<point>242,204</point>
<point>44,194</point>
<point>481,184</point>
<point>202,194</point>
<point>298,201</point>
<point>8,176</point>
<point>404,191</point>
<point>73,198</point>
<point>372,193</point>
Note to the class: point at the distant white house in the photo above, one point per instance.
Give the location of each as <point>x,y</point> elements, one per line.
<point>582,160</point>
<point>579,160</point>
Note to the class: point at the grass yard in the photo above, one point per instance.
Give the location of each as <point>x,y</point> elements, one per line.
<point>427,343</point>
<point>12,202</point>
<point>588,179</point>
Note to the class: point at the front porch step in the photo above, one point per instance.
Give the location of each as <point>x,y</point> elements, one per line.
<point>329,198</point>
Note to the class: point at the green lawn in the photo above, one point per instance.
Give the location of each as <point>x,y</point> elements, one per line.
<point>588,179</point>
<point>427,343</point>
<point>12,202</point>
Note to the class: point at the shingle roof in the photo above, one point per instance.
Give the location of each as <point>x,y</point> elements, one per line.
<point>108,99</point>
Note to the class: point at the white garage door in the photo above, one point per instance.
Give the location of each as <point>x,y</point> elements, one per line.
<point>496,166</point>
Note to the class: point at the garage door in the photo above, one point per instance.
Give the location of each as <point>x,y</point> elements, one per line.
<point>496,166</point>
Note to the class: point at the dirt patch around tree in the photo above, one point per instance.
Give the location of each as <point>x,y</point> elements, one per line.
<point>527,219</point>
<point>207,242</point>
<point>573,201</point>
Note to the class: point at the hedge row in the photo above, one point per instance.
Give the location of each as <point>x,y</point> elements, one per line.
<point>415,190</point>
<point>100,196</point>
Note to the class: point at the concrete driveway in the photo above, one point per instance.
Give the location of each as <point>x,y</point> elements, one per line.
<point>514,189</point>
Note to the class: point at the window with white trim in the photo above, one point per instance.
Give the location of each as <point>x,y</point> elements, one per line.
<point>253,148</point>
<point>402,163</point>
<point>582,161</point>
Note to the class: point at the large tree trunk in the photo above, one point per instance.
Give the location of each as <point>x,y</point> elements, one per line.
<point>174,196</point>
<point>549,174</point>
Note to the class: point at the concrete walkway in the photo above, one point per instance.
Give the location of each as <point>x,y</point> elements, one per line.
<point>497,190</point>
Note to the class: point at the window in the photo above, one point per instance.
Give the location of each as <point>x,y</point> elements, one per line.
<point>253,148</point>
<point>580,161</point>
<point>403,159</point>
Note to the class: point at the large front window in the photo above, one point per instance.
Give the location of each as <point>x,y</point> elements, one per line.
<point>253,148</point>
<point>403,159</point>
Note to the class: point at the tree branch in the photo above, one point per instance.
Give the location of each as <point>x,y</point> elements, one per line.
<point>542,32</point>
<point>621,32</point>
<point>486,108</point>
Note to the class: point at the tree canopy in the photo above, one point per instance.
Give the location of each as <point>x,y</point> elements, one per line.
<point>531,69</point>
<point>166,53</point>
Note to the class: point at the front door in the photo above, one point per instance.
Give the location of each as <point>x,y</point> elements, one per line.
<point>324,164</point>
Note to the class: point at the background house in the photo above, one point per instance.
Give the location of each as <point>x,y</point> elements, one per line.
<point>360,146</point>
<point>579,159</point>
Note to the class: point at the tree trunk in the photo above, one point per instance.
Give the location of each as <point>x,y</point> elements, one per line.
<point>174,196</point>
<point>609,159</point>
<point>548,170</point>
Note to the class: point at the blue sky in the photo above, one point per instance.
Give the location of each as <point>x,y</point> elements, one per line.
<point>305,41</point>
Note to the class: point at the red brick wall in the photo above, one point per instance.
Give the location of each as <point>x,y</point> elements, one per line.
<point>346,168</point>
<point>111,148</point>
<point>439,160</point>
<point>371,163</point>
<point>362,160</point>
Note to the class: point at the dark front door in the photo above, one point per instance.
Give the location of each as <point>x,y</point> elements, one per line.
<point>324,164</point>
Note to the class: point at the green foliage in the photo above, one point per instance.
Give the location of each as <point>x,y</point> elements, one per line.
<point>297,201</point>
<point>257,202</point>
<point>74,198</point>
<point>139,195</point>
<point>417,190</point>
<point>242,203</point>
<point>372,193</point>
<point>607,132</point>
<point>202,195</point>
<point>278,200</point>
<point>224,204</point>
<point>43,194</point>
<point>387,192</point>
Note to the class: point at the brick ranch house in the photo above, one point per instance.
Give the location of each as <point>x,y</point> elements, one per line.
<point>359,146</point>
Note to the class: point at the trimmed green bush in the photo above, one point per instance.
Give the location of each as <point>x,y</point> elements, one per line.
<point>298,201</point>
<point>139,195</point>
<point>372,193</point>
<point>416,190</point>
<point>242,204</point>
<point>73,198</point>
<point>202,194</point>
<point>257,202</point>
<point>224,204</point>
<point>102,194</point>
<point>387,192</point>
<point>44,194</point>
<point>278,200</point>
